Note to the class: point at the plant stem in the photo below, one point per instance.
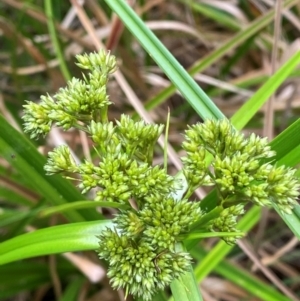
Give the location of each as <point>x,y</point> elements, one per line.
<point>207,217</point>
<point>185,287</point>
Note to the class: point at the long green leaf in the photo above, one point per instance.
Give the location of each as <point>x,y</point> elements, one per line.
<point>292,220</point>
<point>286,142</point>
<point>54,39</point>
<point>24,157</point>
<point>59,239</point>
<point>80,205</point>
<point>287,146</point>
<point>247,111</point>
<point>166,61</point>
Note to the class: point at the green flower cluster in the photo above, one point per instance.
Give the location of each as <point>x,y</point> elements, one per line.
<point>136,267</point>
<point>161,220</point>
<point>141,251</point>
<point>237,170</point>
<point>80,102</point>
<point>142,246</point>
<point>226,222</point>
<point>121,174</point>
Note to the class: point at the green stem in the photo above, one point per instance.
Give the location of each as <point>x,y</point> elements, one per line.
<point>214,213</point>
<point>185,287</point>
<point>150,152</point>
<point>81,127</point>
<point>103,114</point>
<point>190,90</point>
<point>54,39</point>
<point>189,192</point>
<point>199,235</point>
<point>166,142</point>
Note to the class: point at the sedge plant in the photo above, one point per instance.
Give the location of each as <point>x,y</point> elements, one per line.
<point>141,246</point>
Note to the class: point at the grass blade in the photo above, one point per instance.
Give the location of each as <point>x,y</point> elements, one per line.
<point>165,60</point>
<point>52,240</point>
<point>80,205</point>
<point>23,156</point>
<point>247,111</point>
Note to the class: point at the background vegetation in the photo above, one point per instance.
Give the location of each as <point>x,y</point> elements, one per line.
<point>243,54</point>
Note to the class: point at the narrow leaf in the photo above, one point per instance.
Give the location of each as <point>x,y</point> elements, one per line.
<point>52,240</point>
<point>24,157</point>
<point>166,61</point>
<point>247,111</point>
<point>80,205</point>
